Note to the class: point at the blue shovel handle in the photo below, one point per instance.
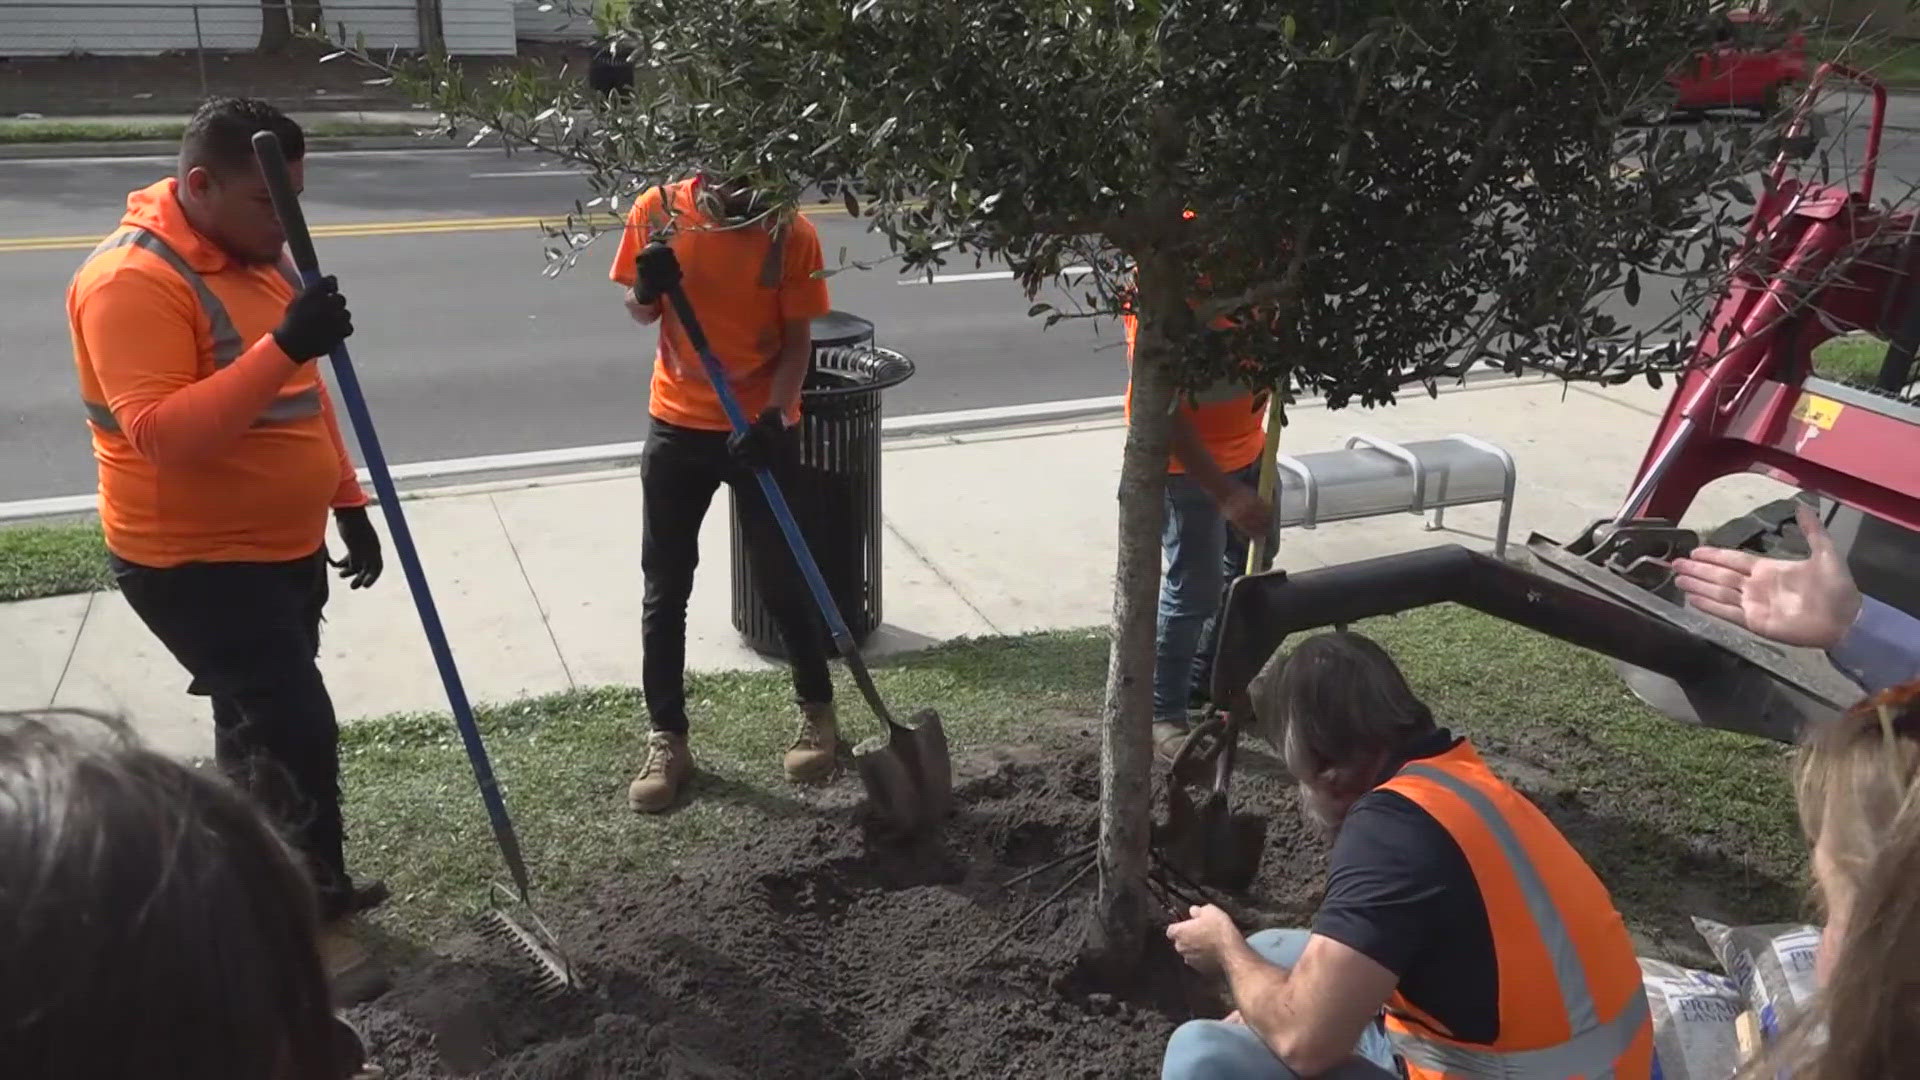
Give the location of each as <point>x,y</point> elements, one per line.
<point>817,584</point>
<point>286,205</point>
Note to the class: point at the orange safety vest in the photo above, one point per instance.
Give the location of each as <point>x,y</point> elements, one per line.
<point>1571,998</point>
<point>1229,419</point>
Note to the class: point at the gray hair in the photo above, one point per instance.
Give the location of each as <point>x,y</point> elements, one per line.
<point>1336,709</point>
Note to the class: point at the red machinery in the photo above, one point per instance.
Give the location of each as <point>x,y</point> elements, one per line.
<point>1818,261</point>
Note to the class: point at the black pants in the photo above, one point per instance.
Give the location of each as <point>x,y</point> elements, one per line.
<point>680,470</point>
<point>249,635</point>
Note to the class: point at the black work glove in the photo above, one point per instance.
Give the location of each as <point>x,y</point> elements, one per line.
<point>659,272</point>
<point>315,322</point>
<point>765,444</point>
<point>363,563</point>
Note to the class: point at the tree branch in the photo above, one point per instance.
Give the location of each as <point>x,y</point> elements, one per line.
<point>1285,292</point>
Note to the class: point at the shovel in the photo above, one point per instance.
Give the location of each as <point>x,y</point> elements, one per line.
<point>909,777</point>
<point>1209,841</point>
<point>525,932</point>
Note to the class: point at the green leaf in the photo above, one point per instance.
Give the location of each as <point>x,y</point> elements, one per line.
<point>852,204</point>
<point>1633,288</point>
<point>1038,309</point>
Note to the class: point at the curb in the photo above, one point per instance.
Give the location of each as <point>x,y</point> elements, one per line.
<point>155,147</point>
<point>615,455</point>
<point>532,466</point>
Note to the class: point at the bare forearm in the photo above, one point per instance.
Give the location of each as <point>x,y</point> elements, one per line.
<point>1259,990</point>
<point>1266,998</point>
<point>791,373</point>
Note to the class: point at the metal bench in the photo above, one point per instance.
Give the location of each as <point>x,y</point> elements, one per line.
<point>1373,476</point>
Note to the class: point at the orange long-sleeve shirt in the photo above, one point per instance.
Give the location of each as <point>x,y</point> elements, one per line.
<point>212,445</point>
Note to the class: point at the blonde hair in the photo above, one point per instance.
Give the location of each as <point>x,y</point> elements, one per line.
<point>1858,789</point>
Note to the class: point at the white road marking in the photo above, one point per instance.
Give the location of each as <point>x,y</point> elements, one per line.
<point>524,174</point>
<point>985,275</point>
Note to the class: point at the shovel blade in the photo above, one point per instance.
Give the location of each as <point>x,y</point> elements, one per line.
<point>1233,846</point>
<point>909,779</point>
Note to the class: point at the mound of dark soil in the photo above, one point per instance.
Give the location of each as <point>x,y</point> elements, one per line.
<point>813,950</point>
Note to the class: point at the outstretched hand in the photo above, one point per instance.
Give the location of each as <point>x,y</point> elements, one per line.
<point>1807,602</point>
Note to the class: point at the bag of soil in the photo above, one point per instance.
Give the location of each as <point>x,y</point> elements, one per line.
<point>1773,966</point>
<point>1694,1013</point>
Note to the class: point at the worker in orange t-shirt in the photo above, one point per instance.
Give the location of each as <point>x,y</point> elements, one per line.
<point>749,270</point>
<point>1213,507</point>
<point>219,459</point>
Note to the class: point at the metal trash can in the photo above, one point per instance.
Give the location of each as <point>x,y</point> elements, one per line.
<point>836,497</point>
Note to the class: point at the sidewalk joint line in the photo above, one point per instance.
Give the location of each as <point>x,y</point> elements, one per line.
<point>546,622</point>
<point>939,573</point>
<point>72,651</point>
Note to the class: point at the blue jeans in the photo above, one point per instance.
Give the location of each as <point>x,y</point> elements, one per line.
<point>1216,1050</point>
<point>1202,554</point>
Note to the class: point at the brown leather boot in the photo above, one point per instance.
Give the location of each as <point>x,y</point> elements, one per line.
<point>669,763</point>
<point>810,759</point>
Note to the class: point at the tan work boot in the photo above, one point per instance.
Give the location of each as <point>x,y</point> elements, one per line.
<point>1167,737</point>
<point>668,765</point>
<point>811,757</point>
<point>354,974</point>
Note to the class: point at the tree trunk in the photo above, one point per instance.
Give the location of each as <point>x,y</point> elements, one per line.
<point>433,39</point>
<point>1118,933</point>
<point>276,33</point>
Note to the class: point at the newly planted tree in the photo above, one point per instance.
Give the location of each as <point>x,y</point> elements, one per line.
<point>1334,197</point>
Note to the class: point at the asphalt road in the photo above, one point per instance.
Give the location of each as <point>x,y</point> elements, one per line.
<point>463,346</point>
<point>466,349</point>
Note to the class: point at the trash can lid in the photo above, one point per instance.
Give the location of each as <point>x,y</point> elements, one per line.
<point>840,328</point>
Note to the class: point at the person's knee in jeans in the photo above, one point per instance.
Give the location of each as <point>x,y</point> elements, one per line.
<point>1218,1050</point>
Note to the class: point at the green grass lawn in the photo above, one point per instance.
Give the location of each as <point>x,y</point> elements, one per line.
<point>51,560</point>
<point>1667,793</point>
<point>1853,358</point>
<point>138,129</point>
<point>1896,63</point>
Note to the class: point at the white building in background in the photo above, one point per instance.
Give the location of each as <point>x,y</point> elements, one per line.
<point>150,27</point>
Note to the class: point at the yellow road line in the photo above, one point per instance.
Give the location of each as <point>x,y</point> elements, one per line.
<point>370,228</point>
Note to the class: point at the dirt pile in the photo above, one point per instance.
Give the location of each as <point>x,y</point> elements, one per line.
<point>811,950</point>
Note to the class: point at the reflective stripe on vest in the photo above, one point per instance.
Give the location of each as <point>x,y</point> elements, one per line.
<point>1595,1048</point>
<point>227,345</point>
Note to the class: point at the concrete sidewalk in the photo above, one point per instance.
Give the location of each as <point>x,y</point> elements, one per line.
<point>987,533</point>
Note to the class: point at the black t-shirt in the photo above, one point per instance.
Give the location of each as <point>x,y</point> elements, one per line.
<point>1400,891</point>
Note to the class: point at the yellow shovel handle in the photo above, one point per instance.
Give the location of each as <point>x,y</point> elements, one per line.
<point>1269,480</point>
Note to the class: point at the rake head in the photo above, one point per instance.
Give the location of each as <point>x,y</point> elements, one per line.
<point>527,935</point>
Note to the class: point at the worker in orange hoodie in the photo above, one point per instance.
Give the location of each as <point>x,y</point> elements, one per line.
<point>219,460</point>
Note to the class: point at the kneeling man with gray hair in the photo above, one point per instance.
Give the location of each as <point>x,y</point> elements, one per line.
<point>1460,934</point>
